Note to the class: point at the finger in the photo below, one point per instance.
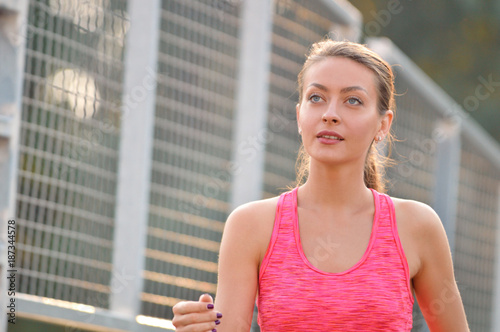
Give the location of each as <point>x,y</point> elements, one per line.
<point>188,307</point>
<point>195,322</point>
<point>206,298</point>
<point>197,318</point>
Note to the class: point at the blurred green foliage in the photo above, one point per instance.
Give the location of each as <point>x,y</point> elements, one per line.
<point>455,42</point>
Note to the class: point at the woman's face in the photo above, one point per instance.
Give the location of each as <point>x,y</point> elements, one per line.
<point>338,114</point>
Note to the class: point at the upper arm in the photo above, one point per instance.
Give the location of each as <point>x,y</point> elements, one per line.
<point>244,239</point>
<point>434,283</point>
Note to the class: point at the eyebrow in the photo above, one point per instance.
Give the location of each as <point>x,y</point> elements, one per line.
<point>343,90</point>
<point>353,88</point>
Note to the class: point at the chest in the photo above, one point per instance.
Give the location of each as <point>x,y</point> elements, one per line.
<point>334,243</point>
<point>345,273</point>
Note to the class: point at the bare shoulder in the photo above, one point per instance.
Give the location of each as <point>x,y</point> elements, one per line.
<point>249,211</point>
<point>252,223</point>
<point>420,230</point>
<point>417,216</point>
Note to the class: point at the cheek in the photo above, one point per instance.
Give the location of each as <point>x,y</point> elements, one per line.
<point>306,119</point>
<point>363,126</point>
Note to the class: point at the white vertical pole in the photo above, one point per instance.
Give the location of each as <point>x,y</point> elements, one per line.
<point>250,129</point>
<point>447,175</point>
<point>495,324</point>
<point>13,24</point>
<point>136,143</point>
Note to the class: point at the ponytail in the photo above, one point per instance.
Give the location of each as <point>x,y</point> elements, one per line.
<point>373,171</point>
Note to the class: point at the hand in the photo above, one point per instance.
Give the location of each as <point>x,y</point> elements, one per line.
<point>192,316</point>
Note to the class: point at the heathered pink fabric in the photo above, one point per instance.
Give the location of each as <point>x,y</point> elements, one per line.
<point>373,295</point>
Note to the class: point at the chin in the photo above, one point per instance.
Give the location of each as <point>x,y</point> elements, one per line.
<point>327,158</point>
<point>334,158</point>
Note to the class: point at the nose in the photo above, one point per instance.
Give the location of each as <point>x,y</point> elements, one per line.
<point>330,115</point>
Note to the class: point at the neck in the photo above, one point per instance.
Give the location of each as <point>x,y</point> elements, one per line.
<point>341,188</point>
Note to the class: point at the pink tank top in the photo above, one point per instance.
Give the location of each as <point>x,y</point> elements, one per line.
<point>373,295</point>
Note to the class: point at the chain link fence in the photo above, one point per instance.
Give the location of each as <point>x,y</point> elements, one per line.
<point>190,182</point>
<point>68,149</point>
<point>476,239</point>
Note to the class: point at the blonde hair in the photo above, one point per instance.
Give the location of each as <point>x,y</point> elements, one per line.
<point>375,162</point>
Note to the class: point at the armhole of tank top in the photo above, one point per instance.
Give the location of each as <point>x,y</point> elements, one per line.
<point>402,255</point>
<point>274,236</point>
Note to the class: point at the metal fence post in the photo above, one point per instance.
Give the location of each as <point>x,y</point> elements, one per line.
<point>12,48</point>
<point>250,130</point>
<point>250,134</point>
<point>135,157</point>
<point>446,176</point>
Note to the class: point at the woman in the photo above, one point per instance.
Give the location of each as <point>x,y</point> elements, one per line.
<point>334,254</point>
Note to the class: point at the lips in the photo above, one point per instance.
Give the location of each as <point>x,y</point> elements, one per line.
<point>330,135</point>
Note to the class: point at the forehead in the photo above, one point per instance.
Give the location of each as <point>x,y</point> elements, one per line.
<point>339,72</point>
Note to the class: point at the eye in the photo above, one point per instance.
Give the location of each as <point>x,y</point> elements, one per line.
<point>315,98</point>
<point>354,101</point>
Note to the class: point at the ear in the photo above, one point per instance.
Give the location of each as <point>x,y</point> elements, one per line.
<point>385,124</point>
<point>297,111</point>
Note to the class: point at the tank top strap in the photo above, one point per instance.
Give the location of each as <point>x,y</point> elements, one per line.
<point>387,218</point>
<point>288,208</point>
<point>283,227</point>
<point>384,234</point>
<point>384,218</point>
<point>388,233</point>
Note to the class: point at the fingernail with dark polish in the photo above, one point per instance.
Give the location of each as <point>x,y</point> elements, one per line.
<point>214,330</point>
<point>219,315</point>
<point>210,306</point>
<point>217,322</point>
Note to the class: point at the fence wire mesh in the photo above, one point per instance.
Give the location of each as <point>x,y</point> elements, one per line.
<point>191,151</point>
<point>68,149</point>
<point>476,234</point>
<point>413,152</point>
